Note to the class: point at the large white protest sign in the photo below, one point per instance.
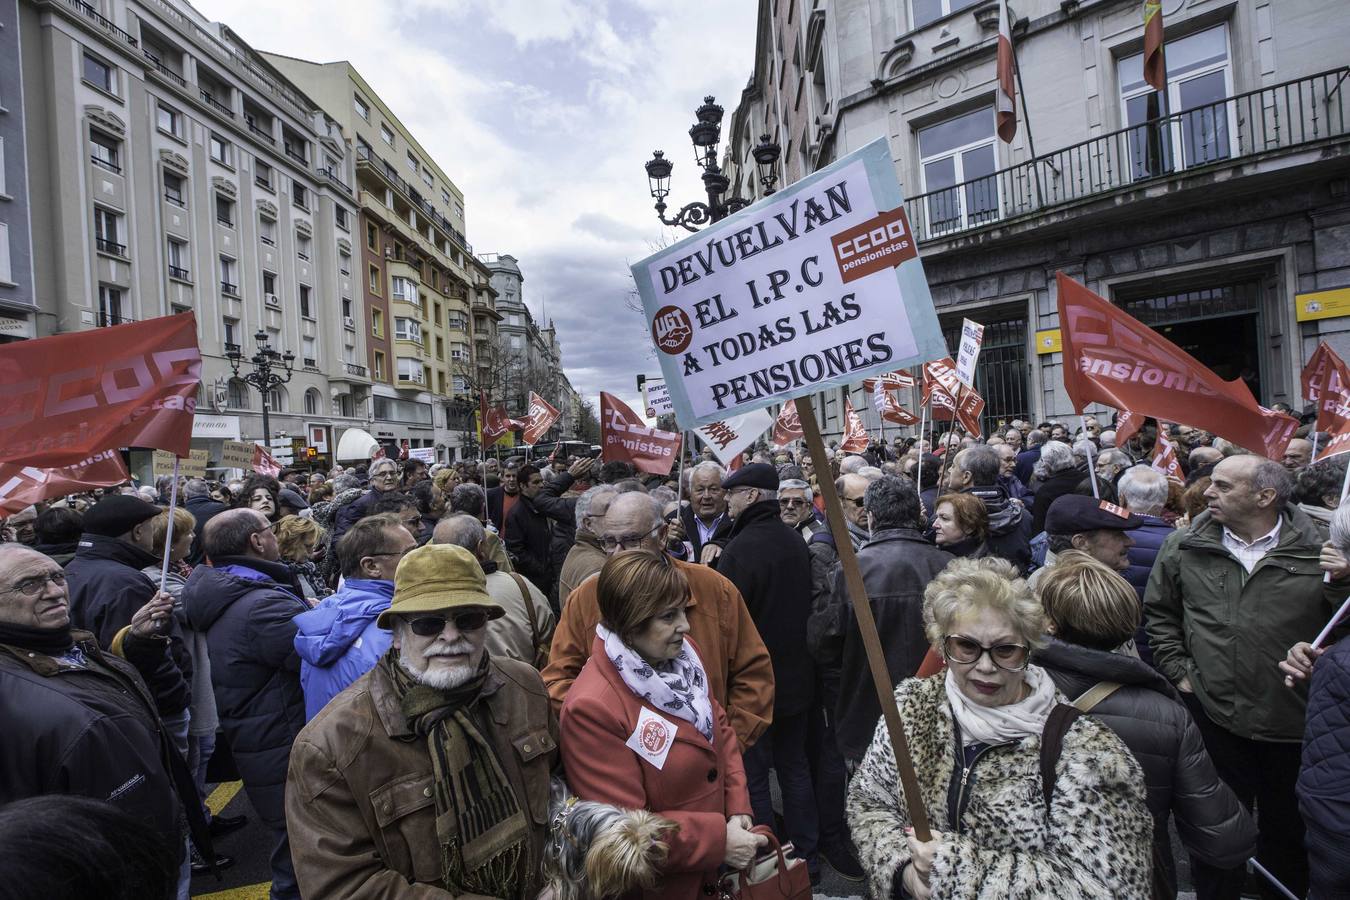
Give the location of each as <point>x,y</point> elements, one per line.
<point>972,337</point>
<point>730,438</point>
<point>817,285</point>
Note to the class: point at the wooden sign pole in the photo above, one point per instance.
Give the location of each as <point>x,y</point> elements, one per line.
<point>862,610</point>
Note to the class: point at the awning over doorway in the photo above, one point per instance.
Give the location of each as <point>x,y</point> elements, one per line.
<point>356,444</point>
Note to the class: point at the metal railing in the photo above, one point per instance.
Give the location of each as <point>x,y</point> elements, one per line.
<point>209,99</point>
<point>413,196</point>
<point>330,173</point>
<point>1279,117</point>
<point>178,272</point>
<point>94,15</point>
<point>262,133</point>
<point>158,65</point>
<point>229,289</point>
<point>354,369</point>
<point>106,319</point>
<point>296,154</point>
<point>110,247</point>
<point>176,198</point>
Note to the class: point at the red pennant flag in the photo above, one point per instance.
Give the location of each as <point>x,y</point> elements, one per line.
<point>264,463</point>
<point>1127,426</point>
<point>1333,406</point>
<point>889,408</point>
<point>891,381</point>
<point>1318,369</point>
<point>493,421</point>
<point>1165,460</point>
<point>1005,93</point>
<point>624,437</point>
<point>940,374</point>
<point>72,396</point>
<point>787,427</point>
<point>1155,69</point>
<point>855,435</point>
<point>21,486</point>
<point>1111,357</point>
<point>541,418</point>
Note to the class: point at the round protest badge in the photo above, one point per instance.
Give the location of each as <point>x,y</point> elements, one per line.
<point>654,736</point>
<point>671,330</point>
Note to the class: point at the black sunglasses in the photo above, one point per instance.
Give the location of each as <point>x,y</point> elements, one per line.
<point>429,626</point>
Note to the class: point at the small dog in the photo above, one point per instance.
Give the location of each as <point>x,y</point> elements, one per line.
<point>598,852</point>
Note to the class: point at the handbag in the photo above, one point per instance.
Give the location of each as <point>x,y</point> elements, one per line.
<point>769,876</point>
<point>541,647</point>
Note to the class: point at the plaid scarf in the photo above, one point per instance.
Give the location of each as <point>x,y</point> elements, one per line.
<point>482,830</point>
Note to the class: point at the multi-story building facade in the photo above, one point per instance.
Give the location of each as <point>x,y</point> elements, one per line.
<point>1217,212</point>
<point>417,267</point>
<point>18,308</point>
<point>172,168</point>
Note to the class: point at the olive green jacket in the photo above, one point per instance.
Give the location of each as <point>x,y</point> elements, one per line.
<point>1225,630</point>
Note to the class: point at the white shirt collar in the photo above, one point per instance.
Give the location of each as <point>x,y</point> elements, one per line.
<point>1270,537</point>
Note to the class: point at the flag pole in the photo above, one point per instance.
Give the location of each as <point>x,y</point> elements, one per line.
<point>1317,411</point>
<point>918,470</point>
<point>867,626</point>
<point>168,532</point>
<point>1031,142</point>
<point>1092,462</point>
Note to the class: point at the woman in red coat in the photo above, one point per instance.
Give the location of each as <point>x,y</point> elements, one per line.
<point>639,729</point>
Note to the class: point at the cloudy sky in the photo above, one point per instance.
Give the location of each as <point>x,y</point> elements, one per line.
<point>542,111</point>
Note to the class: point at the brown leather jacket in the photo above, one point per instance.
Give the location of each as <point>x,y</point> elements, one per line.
<point>359,805</point>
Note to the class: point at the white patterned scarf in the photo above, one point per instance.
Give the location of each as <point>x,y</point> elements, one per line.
<point>679,686</point>
<point>1003,724</point>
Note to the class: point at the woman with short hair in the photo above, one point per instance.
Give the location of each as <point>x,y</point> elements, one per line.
<point>298,540</point>
<point>975,736</point>
<point>961,525</point>
<point>1091,610</point>
<point>641,731</point>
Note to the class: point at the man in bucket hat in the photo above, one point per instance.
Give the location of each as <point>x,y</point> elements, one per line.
<point>433,768</point>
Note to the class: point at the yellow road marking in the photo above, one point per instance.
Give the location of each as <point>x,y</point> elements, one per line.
<point>221,796</point>
<point>247,892</point>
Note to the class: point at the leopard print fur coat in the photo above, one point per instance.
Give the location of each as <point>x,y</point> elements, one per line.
<point>1096,844</point>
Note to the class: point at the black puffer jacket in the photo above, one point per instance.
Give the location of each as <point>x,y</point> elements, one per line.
<point>767,561</point>
<point>1051,489</point>
<point>529,542</point>
<point>106,588</point>
<point>246,608</point>
<point>896,565</point>
<point>1149,717</point>
<point>1009,526</point>
<point>1324,781</point>
<point>90,731</point>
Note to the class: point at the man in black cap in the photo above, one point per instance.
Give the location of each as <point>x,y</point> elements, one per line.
<point>769,564</point>
<point>1097,527</point>
<point>107,587</point>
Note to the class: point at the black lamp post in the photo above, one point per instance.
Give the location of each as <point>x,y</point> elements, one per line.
<point>705,134</point>
<point>262,377</point>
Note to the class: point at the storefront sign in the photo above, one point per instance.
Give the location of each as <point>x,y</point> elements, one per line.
<point>224,427</point>
<point>818,285</point>
<point>1330,304</point>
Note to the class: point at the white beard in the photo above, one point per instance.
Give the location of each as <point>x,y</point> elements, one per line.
<point>441,679</point>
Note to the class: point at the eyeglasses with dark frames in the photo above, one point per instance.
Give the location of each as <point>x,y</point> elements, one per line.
<point>32,587</point>
<point>429,626</point>
<point>958,648</point>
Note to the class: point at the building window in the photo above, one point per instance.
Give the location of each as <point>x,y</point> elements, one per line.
<point>262,174</point>
<point>410,369</point>
<point>386,135</point>
<point>412,162</point>
<point>173,189</point>
<point>340,218</point>
<point>299,195</point>
<point>220,149</point>
<point>276,399</point>
<point>309,353</point>
<point>346,308</point>
<point>516,342</point>
<point>6,273</point>
<point>230,334</point>
<point>1200,125</point>
<point>375,279</point>
<point>373,238</point>
<point>267,230</point>
<point>108,232</point>
<point>2,165</point>
<point>454,320</point>
<point>302,245</point>
<point>312,401</point>
<point>427,179</point>
<point>404,289</point>
<point>459,211</point>
<point>225,211</point>
<point>460,383</point>
<point>459,352</point>
<point>237,394</point>
<point>305,311</point>
<point>440,347</point>
<point>960,152</point>
<point>362,107</point>
<point>99,74</point>
<point>344,262</point>
<point>407,329</point>
<point>445,198</point>
<point>926,11</point>
<point>177,256</point>
<point>105,151</point>
<point>110,307</point>
<point>269,284</point>
<point>169,120</point>
<point>295,148</point>
<point>229,280</point>
<point>377,323</point>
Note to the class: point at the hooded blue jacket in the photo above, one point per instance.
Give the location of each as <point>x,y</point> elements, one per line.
<point>338,640</point>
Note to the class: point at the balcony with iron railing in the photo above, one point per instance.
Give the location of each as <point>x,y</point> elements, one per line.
<point>110,247</point>
<point>329,173</point>
<point>106,319</point>
<point>368,159</point>
<point>178,272</point>
<point>263,133</point>
<point>93,15</point>
<point>210,100</point>
<point>228,289</point>
<point>1256,125</point>
<point>157,65</point>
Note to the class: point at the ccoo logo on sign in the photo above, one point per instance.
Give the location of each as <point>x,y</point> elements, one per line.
<point>671,330</point>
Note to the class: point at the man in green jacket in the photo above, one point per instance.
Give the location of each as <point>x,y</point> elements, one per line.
<point>1226,598</point>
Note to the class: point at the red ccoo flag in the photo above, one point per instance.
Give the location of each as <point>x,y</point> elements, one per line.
<point>788,426</point>
<point>1332,386</point>
<point>540,420</point>
<point>889,409</point>
<point>22,486</point>
<point>1317,371</point>
<point>1155,68</point>
<point>1165,461</point>
<point>72,396</point>
<point>855,435</point>
<point>264,463</point>
<point>1111,357</point>
<point>624,436</point>
<point>1005,94</point>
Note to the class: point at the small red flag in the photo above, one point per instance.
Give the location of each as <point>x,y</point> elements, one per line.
<point>889,408</point>
<point>264,463</point>
<point>539,421</point>
<point>21,486</point>
<point>855,435</point>
<point>1165,459</point>
<point>1155,68</point>
<point>1005,94</point>
<point>623,436</point>
<point>787,427</point>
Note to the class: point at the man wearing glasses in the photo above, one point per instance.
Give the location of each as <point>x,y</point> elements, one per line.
<point>796,508</point>
<point>338,641</point>
<point>245,602</point>
<point>384,478</point>
<point>431,770</point>
<point>740,675</point>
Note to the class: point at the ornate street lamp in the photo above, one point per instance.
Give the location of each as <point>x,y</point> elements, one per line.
<point>263,376</point>
<point>705,134</point>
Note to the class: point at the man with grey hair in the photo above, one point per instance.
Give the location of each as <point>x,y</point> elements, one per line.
<point>1108,466</point>
<point>1108,440</point>
<point>852,465</point>
<point>740,675</point>
<point>975,471</point>
<point>1227,597</point>
<point>526,625</point>
<point>586,556</point>
<point>705,521</point>
<point>1143,491</point>
<point>197,500</point>
<point>797,509</point>
<point>1027,459</point>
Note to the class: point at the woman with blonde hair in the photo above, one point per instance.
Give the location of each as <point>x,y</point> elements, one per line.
<point>298,540</point>
<point>979,736</point>
<point>1091,610</point>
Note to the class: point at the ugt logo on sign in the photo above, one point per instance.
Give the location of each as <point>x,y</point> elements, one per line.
<point>671,330</point>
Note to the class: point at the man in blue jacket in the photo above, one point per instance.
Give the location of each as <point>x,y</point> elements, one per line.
<point>338,641</point>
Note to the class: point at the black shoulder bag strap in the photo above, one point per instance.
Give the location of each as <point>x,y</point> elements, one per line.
<point>1052,744</point>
